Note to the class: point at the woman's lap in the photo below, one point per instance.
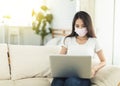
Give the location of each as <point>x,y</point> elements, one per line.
<point>72,81</point>
<point>58,82</point>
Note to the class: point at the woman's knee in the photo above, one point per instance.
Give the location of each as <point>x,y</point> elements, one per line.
<point>72,81</point>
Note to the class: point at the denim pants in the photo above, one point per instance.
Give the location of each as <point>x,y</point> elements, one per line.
<point>71,81</point>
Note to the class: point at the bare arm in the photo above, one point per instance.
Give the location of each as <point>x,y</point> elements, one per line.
<point>100,65</point>
<point>102,61</point>
<point>63,50</point>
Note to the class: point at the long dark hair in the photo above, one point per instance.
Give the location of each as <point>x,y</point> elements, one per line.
<point>87,22</point>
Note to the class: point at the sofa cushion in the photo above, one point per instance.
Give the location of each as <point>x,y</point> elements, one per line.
<point>30,61</point>
<point>32,82</point>
<point>107,76</point>
<point>6,83</point>
<point>4,66</point>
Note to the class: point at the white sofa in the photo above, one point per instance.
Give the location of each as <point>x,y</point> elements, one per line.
<point>29,66</point>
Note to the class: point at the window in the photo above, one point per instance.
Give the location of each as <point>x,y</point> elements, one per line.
<point>18,11</point>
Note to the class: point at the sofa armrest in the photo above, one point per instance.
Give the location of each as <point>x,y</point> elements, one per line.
<point>107,76</point>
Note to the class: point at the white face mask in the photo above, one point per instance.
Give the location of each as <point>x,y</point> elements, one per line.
<point>81,32</point>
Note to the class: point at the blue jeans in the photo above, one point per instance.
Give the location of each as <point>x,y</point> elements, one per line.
<point>71,81</point>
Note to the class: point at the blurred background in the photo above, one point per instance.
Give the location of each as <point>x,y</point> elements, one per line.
<point>26,22</point>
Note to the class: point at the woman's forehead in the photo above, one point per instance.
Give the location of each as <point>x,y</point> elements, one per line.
<point>79,21</point>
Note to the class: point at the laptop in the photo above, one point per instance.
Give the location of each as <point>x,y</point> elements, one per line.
<point>70,65</point>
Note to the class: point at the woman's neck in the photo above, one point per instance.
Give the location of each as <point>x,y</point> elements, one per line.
<point>82,38</point>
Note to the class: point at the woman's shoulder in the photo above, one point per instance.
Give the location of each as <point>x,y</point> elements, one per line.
<point>69,38</point>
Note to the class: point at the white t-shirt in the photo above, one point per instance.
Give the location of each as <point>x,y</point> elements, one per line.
<point>73,48</point>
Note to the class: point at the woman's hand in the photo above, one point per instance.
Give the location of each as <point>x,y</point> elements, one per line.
<point>93,71</point>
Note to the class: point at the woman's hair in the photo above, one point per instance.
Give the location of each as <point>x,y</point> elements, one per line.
<point>85,17</point>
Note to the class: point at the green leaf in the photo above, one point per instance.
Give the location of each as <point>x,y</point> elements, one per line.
<point>33,12</point>
<point>40,16</point>
<point>49,17</point>
<point>43,7</point>
<point>41,19</point>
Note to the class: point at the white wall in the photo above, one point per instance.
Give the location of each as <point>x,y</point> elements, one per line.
<point>89,7</point>
<point>2,34</point>
<point>104,19</point>
<point>116,59</point>
<point>63,12</point>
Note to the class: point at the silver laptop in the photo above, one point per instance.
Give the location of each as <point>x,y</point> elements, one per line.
<point>70,65</point>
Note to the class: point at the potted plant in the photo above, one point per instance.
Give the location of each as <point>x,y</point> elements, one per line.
<point>41,23</point>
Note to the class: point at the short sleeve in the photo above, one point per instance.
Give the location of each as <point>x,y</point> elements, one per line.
<point>97,46</point>
<point>64,42</point>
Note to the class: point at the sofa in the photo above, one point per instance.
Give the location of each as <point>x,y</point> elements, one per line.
<point>28,65</point>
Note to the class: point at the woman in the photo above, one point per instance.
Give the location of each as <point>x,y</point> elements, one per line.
<point>81,41</point>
